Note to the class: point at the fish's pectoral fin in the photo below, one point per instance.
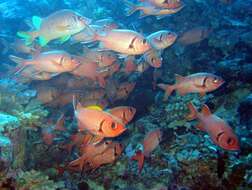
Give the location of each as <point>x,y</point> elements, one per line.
<point>33,75</point>
<point>63,27</point>
<point>157,40</point>
<point>81,126</point>
<point>205,110</point>
<point>102,81</point>
<point>96,139</point>
<point>64,39</point>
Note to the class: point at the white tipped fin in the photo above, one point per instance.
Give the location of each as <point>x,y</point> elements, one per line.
<point>205,110</point>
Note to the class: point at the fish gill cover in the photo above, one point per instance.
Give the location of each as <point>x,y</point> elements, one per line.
<point>126,94</point>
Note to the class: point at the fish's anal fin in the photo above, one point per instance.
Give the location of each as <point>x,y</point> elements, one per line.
<point>181,92</point>
<point>43,41</point>
<point>205,110</point>
<point>101,47</point>
<point>193,112</point>
<point>200,126</point>
<point>202,94</point>
<point>168,90</point>
<point>179,78</point>
<point>64,39</point>
<point>142,15</point>
<point>161,17</point>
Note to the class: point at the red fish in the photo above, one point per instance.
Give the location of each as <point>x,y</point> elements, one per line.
<point>219,131</point>
<point>124,90</point>
<point>162,39</point>
<point>168,4</point>
<point>94,156</point>
<point>153,58</point>
<point>89,69</point>
<point>147,9</point>
<point>107,23</point>
<point>124,41</point>
<point>80,140</point>
<point>124,113</point>
<point>98,122</point>
<point>151,141</point>
<point>52,62</point>
<point>197,83</point>
<point>102,58</point>
<point>194,35</point>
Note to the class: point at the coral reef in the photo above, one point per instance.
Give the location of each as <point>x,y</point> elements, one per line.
<point>19,100</point>
<point>35,180</point>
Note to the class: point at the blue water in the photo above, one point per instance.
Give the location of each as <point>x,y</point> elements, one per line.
<point>39,131</point>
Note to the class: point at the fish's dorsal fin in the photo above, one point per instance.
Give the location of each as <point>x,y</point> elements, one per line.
<point>36,22</point>
<point>179,78</point>
<point>76,105</point>
<point>205,110</point>
<point>94,107</point>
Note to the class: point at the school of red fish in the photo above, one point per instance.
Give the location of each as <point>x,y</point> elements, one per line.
<point>85,79</point>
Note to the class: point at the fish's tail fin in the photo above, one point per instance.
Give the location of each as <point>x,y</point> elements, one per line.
<point>139,157</point>
<point>193,112</point>
<point>167,88</point>
<point>21,64</point>
<point>6,46</point>
<point>131,7</point>
<point>60,123</point>
<point>29,37</point>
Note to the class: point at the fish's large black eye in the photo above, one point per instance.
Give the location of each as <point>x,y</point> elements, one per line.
<point>113,125</point>
<point>215,80</point>
<point>79,18</point>
<point>230,141</point>
<point>144,41</point>
<point>131,110</point>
